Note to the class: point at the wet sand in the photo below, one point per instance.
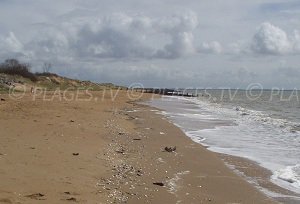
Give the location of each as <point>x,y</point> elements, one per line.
<point>260,177</point>
<point>104,151</point>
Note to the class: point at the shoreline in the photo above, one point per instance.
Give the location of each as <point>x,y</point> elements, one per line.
<point>250,170</point>
<point>221,171</point>
<point>258,176</point>
<point>86,151</point>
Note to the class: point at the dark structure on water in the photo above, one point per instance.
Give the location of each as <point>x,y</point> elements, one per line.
<point>167,92</point>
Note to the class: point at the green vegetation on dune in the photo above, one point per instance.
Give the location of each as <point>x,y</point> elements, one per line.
<point>13,73</point>
<point>3,89</point>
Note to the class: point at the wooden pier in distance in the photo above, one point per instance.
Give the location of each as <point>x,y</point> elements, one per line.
<point>167,92</point>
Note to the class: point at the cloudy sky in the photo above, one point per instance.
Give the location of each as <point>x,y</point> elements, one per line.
<point>169,43</point>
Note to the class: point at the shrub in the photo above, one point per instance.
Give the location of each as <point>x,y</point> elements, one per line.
<point>46,74</point>
<point>14,67</point>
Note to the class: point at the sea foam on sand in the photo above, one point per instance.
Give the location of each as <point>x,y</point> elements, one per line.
<point>291,174</point>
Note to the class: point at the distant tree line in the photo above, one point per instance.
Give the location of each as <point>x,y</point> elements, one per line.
<point>14,67</point>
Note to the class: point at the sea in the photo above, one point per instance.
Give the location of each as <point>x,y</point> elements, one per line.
<point>260,125</point>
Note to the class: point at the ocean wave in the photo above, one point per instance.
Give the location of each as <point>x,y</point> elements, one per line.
<point>290,174</point>
<point>267,119</point>
<point>241,114</point>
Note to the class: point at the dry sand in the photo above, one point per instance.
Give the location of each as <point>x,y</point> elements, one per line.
<point>104,151</point>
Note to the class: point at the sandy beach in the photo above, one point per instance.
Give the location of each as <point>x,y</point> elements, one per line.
<point>149,102</point>
<point>99,150</point>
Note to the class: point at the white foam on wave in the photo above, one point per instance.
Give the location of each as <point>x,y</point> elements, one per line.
<point>291,176</point>
<point>259,116</point>
<point>194,135</point>
<point>247,114</point>
<point>197,116</point>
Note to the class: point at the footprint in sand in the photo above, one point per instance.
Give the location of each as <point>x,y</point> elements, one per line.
<point>73,199</point>
<point>36,196</point>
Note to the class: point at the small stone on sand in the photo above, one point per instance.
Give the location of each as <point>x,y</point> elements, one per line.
<point>170,149</point>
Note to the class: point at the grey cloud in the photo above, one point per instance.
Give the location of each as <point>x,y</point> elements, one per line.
<point>181,45</point>
<point>117,36</point>
<point>180,29</point>
<point>268,40</point>
<point>185,22</point>
<point>280,6</point>
<point>11,43</point>
<point>244,75</point>
<point>272,40</point>
<point>289,72</point>
<point>296,41</point>
<point>211,47</point>
<point>11,47</point>
<point>117,40</point>
<point>240,78</point>
<point>50,44</point>
<point>285,76</point>
<point>109,43</point>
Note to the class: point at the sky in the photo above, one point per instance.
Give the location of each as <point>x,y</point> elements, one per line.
<point>158,43</point>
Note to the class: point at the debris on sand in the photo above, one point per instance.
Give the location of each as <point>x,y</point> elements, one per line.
<point>120,150</point>
<point>170,149</point>
<point>75,154</point>
<point>131,118</point>
<point>159,184</point>
<point>36,196</point>
<point>2,99</point>
<point>71,199</point>
<point>139,173</point>
<point>72,121</point>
